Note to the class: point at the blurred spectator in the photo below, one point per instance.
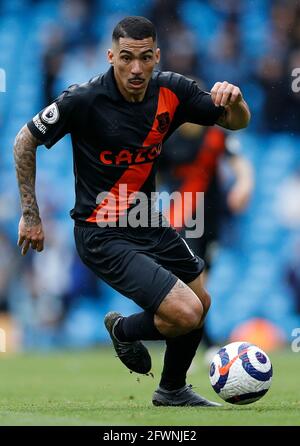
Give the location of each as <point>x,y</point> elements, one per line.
<point>179,49</point>
<point>7,269</point>
<point>74,32</point>
<point>287,202</point>
<point>272,77</point>
<point>83,284</point>
<point>289,19</point>
<point>191,162</point>
<point>225,59</point>
<point>163,13</point>
<point>293,276</point>
<point>274,70</point>
<point>77,22</point>
<point>283,26</point>
<point>52,61</point>
<point>47,291</point>
<point>80,66</point>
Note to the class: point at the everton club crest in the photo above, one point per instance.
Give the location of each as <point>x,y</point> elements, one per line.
<point>163,122</point>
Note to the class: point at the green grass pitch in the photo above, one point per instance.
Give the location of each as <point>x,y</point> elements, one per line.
<point>94,388</point>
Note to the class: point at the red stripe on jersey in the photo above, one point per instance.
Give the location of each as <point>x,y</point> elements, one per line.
<point>136,175</point>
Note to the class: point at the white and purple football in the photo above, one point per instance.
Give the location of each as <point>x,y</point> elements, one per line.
<point>241,373</point>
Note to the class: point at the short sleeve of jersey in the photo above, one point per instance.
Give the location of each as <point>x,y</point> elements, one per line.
<point>55,121</point>
<point>196,105</point>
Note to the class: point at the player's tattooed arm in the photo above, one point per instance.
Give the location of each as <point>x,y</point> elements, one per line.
<point>30,226</point>
<point>236,113</point>
<point>25,162</point>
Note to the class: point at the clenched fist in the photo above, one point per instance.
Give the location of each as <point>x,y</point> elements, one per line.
<point>30,235</point>
<point>225,94</point>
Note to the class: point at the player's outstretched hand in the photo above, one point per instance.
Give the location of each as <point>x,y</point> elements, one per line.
<point>225,94</point>
<point>30,236</point>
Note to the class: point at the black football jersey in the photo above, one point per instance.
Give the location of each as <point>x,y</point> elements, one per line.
<point>116,142</point>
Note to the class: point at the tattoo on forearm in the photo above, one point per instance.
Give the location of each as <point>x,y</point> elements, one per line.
<point>25,163</point>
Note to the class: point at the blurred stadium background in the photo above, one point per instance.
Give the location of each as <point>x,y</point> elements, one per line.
<point>50,300</point>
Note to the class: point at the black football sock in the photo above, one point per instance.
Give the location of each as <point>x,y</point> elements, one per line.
<point>179,354</point>
<point>137,327</point>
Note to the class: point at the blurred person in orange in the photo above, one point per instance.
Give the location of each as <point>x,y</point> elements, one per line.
<point>193,160</point>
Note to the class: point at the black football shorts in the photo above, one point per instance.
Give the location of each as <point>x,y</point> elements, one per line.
<point>141,263</point>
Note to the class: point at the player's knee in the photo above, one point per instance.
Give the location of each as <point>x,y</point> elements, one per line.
<point>189,317</point>
<point>180,312</point>
<point>182,320</point>
<point>201,293</point>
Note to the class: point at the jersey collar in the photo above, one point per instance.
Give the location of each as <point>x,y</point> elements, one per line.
<point>113,91</point>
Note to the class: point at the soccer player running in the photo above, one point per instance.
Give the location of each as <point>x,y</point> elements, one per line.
<point>118,122</point>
